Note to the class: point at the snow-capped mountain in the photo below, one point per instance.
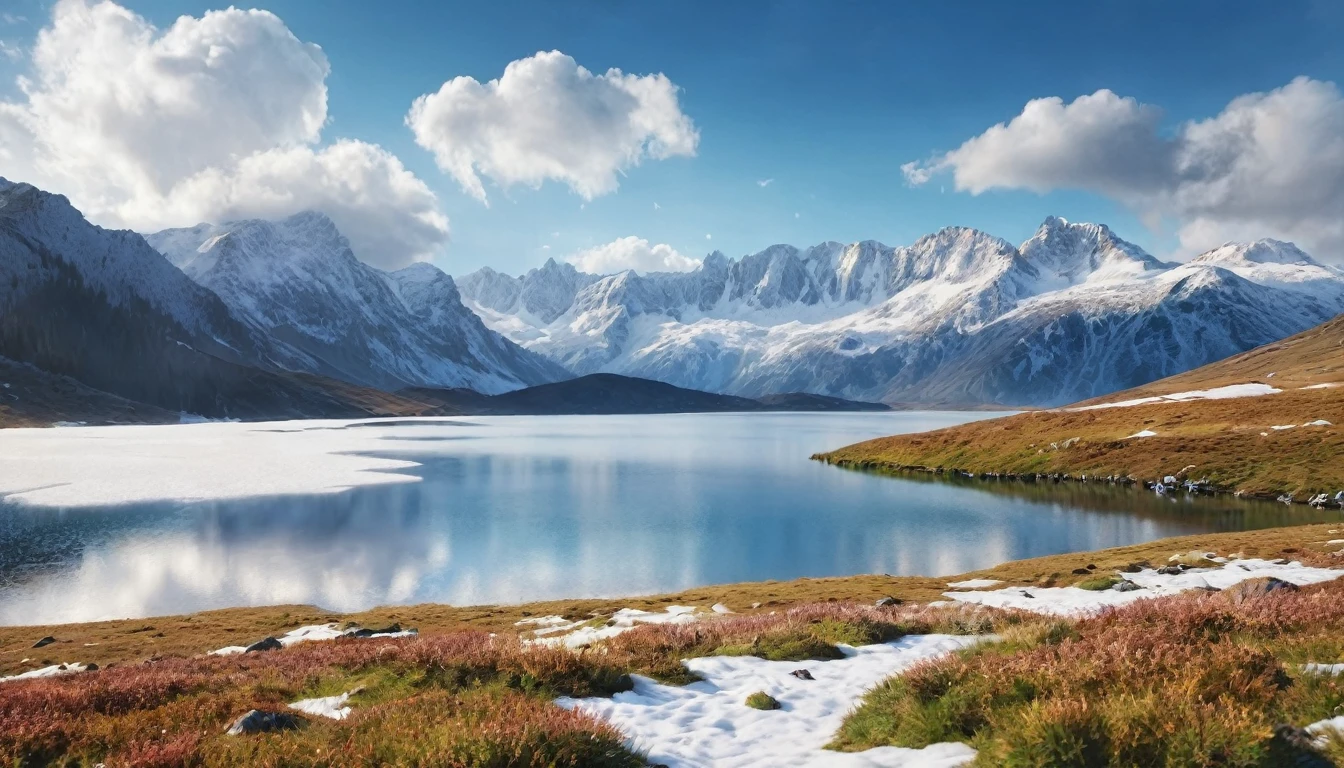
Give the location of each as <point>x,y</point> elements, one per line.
<point>959,316</point>
<point>104,308</point>
<point>331,314</point>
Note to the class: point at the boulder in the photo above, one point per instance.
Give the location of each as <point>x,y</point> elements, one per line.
<point>48,640</point>
<point>268,644</point>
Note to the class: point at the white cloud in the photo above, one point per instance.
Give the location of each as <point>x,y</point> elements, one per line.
<point>10,51</point>
<point>632,253</point>
<point>213,118</point>
<point>763,183</point>
<point>547,118</point>
<point>1269,165</point>
<point>10,18</point>
<point>656,206</point>
<point>709,236</point>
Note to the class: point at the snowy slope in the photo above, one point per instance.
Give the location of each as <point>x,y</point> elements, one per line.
<point>959,316</point>
<point>105,309</point>
<point>336,316</point>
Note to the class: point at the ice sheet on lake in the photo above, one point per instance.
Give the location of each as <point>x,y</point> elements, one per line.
<point>95,466</point>
<point>709,723</point>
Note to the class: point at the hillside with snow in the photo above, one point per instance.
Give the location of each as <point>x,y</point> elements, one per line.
<point>332,314</point>
<point>958,317</point>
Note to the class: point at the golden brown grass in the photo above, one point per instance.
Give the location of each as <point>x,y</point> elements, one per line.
<point>1195,680</point>
<point>1229,442</point>
<point>455,698</point>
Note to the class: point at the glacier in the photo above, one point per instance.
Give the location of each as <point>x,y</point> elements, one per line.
<point>959,317</point>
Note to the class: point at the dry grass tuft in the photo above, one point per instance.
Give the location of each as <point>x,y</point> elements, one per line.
<point>1190,680</point>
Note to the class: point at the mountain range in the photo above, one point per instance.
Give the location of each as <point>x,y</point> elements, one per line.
<point>959,317</point>
<point>277,319</point>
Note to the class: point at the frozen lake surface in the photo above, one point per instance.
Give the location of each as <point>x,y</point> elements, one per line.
<point>116,522</point>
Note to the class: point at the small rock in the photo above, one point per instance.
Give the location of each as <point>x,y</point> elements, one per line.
<point>1135,567</point>
<point>1091,566</point>
<point>48,640</point>
<point>1125,585</point>
<point>754,606</point>
<point>1081,572</point>
<point>257,721</point>
<point>802,674</point>
<point>888,601</point>
<point>1170,570</point>
<point>365,632</point>
<point>90,667</point>
<point>267,644</point>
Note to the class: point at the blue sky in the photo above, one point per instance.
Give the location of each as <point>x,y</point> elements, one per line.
<point>828,100</point>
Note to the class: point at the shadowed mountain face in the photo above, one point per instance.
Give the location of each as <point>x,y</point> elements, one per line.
<point>109,312</point>
<point>958,318</point>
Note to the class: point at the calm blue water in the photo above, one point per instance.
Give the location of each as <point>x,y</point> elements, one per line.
<point>522,508</point>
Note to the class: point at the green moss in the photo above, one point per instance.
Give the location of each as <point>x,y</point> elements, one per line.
<point>1099,583</point>
<point>762,700</point>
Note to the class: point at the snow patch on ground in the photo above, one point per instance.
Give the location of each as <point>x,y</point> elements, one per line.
<point>1281,427</point>
<point>1323,729</point>
<point>333,707</point>
<point>1320,386</point>
<point>974,583</point>
<point>314,633</point>
<point>1318,423</point>
<point>55,670</point>
<point>1073,601</point>
<point>709,723</point>
<point>1143,433</point>
<point>561,632</point>
<point>1217,393</point>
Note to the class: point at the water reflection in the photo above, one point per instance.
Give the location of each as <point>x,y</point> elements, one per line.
<point>523,509</point>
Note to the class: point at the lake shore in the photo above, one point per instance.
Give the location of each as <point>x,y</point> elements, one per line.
<point>131,640</point>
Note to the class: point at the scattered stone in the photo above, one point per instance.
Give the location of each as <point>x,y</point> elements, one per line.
<point>762,700</point>
<point>1259,587</point>
<point>1091,566</point>
<point>1081,572</point>
<point>888,601</point>
<point>48,640</point>
<point>365,632</point>
<point>754,606</point>
<point>257,721</point>
<point>90,667</point>
<point>1137,566</point>
<point>1125,585</point>
<point>1170,570</point>
<point>802,674</point>
<point>267,644</point>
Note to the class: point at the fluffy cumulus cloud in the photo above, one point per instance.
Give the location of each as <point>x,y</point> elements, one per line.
<point>632,253</point>
<point>1269,165</point>
<point>213,118</point>
<point>547,118</point>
